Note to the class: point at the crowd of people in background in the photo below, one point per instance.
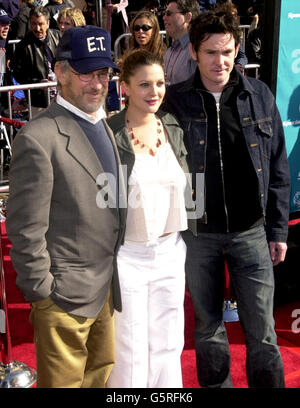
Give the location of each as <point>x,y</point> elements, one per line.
<point>143,20</point>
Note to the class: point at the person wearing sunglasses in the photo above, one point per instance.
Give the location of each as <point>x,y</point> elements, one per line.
<point>179,65</point>
<point>145,34</point>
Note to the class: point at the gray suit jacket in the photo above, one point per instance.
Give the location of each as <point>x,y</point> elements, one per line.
<point>63,244</point>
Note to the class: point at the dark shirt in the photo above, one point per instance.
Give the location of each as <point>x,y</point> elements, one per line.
<point>232,195</point>
<point>99,139</point>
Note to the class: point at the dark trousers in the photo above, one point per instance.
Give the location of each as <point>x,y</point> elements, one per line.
<point>251,275</point>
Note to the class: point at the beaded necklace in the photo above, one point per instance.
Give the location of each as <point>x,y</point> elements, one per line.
<point>136,141</point>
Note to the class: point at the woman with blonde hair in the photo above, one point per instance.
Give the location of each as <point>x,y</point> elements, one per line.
<point>70,17</point>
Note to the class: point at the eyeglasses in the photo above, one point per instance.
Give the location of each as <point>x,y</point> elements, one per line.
<point>101,75</point>
<point>169,13</point>
<point>143,27</point>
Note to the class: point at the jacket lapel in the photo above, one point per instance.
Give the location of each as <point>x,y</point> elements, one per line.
<point>79,147</point>
<point>77,144</point>
<point>121,179</point>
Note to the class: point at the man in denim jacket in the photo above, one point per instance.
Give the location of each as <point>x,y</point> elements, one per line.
<point>237,156</point>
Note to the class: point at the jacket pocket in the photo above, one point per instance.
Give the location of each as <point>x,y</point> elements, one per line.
<point>265,128</point>
<point>265,131</point>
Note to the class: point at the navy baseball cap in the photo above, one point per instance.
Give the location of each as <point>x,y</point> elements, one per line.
<point>4,17</point>
<point>87,48</point>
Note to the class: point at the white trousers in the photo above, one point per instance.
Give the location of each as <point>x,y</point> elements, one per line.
<point>149,332</point>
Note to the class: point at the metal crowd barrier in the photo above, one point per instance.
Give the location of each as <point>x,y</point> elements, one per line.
<point>8,138</point>
<point>48,85</point>
<point>26,87</point>
<point>5,188</point>
<point>126,35</point>
<point>243,27</point>
<point>116,49</point>
<point>253,66</point>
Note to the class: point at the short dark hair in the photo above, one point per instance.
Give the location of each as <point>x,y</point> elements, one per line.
<point>186,6</point>
<point>213,22</point>
<point>39,11</point>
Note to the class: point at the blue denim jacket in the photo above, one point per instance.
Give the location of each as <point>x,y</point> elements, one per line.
<point>262,128</point>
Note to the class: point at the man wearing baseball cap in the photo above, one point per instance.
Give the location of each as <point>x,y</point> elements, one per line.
<point>64,238</point>
<point>4,21</point>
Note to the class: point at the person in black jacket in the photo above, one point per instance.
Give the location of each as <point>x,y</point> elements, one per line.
<point>241,182</point>
<point>20,25</point>
<point>33,59</point>
<point>4,27</point>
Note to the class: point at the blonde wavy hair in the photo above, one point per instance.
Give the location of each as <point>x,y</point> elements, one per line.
<point>74,14</point>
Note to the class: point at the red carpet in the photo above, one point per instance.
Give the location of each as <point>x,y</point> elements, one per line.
<point>23,348</point>
<point>288,341</point>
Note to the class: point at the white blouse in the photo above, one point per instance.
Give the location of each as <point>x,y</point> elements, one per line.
<point>156,203</point>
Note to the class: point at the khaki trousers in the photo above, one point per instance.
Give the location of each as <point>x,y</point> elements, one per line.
<point>72,351</point>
